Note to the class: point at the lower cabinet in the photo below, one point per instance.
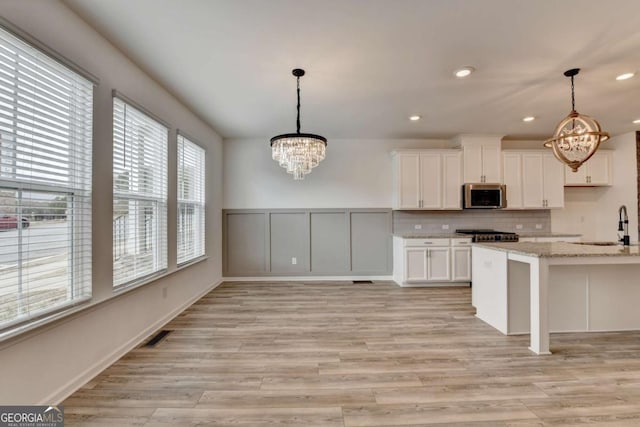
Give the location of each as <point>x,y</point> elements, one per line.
<point>431,261</point>
<point>461,263</point>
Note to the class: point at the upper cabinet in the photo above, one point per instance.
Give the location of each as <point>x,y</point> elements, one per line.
<point>534,179</point>
<point>428,179</point>
<point>593,173</point>
<point>482,158</point>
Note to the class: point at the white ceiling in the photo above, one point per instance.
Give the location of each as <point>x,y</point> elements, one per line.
<point>372,63</point>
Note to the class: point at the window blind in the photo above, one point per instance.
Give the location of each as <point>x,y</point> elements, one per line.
<point>45,183</point>
<point>139,194</point>
<point>191,200</point>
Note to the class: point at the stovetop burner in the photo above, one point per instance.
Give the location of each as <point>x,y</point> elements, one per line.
<point>488,235</point>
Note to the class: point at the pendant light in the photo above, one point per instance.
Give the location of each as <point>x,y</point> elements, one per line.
<point>298,152</point>
<point>577,137</point>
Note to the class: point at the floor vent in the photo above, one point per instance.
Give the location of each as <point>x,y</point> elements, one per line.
<point>360,282</point>
<point>157,338</point>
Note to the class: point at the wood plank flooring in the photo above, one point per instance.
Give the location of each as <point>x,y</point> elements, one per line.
<point>343,354</point>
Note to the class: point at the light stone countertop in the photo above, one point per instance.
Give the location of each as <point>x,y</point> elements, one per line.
<point>430,235</point>
<point>562,249</point>
<point>435,235</point>
<point>533,234</point>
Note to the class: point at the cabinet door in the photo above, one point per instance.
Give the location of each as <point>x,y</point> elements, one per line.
<point>461,264</point>
<point>408,181</point>
<point>553,173</point>
<point>492,164</point>
<point>415,264</point>
<point>575,179</point>
<point>431,180</point>
<point>532,180</point>
<point>452,180</point>
<point>473,164</point>
<point>438,264</point>
<point>599,168</point>
<point>512,170</point>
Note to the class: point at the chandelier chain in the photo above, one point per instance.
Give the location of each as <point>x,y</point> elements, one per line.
<point>298,118</point>
<point>573,96</point>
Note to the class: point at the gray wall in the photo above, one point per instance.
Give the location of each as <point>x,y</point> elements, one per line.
<point>324,242</point>
<point>503,220</point>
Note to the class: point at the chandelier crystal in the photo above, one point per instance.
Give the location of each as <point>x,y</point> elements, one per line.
<point>577,137</point>
<point>298,152</point>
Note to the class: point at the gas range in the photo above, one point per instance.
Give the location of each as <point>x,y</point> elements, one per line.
<point>487,235</point>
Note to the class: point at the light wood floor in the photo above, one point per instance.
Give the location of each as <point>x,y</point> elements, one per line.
<point>342,354</point>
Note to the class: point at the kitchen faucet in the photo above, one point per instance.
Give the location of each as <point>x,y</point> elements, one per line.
<point>623,225</point>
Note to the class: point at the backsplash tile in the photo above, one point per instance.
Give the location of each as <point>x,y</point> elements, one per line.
<point>502,220</point>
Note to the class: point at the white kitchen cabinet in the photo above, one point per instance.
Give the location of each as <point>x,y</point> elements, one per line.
<point>415,264</point>
<point>482,163</point>
<point>428,179</point>
<point>512,170</point>
<point>431,261</point>
<point>461,259</point>
<point>593,173</point>
<point>438,264</point>
<point>451,179</point>
<point>534,180</point>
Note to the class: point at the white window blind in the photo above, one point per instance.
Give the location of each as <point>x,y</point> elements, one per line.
<point>139,194</point>
<point>45,183</point>
<point>191,200</point>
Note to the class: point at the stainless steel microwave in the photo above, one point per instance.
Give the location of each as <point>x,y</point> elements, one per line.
<point>484,196</point>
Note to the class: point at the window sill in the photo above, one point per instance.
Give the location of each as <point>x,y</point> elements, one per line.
<point>192,262</point>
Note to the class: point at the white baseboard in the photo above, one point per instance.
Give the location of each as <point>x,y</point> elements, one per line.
<point>74,384</point>
<point>305,278</point>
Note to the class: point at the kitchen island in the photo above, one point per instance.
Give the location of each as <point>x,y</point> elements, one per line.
<point>532,287</point>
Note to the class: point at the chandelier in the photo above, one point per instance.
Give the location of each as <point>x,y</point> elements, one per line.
<point>298,152</point>
<point>577,136</point>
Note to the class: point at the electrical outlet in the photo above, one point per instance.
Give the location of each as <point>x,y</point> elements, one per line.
<point>518,226</point>
<point>417,227</point>
<point>538,226</point>
<point>294,260</point>
<point>445,226</point>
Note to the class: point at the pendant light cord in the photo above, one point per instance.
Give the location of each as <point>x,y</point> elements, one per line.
<point>298,118</point>
<point>573,96</point>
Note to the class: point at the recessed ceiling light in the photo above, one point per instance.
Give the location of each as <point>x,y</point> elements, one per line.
<point>415,118</point>
<point>528,119</point>
<point>463,72</point>
<point>625,76</point>
<point>636,121</point>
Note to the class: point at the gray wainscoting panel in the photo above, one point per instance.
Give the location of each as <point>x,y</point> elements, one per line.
<point>246,248</point>
<point>329,242</point>
<point>289,239</point>
<point>325,242</point>
<point>370,242</point>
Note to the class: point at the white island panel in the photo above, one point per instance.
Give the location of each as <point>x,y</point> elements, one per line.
<point>566,287</point>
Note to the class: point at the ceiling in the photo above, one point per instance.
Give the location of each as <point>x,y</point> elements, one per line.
<point>372,63</point>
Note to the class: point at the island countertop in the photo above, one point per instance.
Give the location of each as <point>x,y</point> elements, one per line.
<point>562,249</point>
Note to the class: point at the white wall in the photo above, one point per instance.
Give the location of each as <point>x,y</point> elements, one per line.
<point>46,364</point>
<point>593,212</point>
<point>355,174</point>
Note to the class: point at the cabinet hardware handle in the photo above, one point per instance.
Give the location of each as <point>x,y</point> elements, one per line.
<point>428,243</point>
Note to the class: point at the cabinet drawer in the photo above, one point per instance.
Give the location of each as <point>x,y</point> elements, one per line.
<point>462,241</point>
<point>426,242</point>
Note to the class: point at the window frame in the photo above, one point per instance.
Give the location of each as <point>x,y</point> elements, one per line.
<point>162,208</point>
<point>196,204</point>
<point>80,178</point>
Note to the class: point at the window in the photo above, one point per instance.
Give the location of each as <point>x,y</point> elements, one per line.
<point>191,166</point>
<point>45,183</point>
<point>139,194</point>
